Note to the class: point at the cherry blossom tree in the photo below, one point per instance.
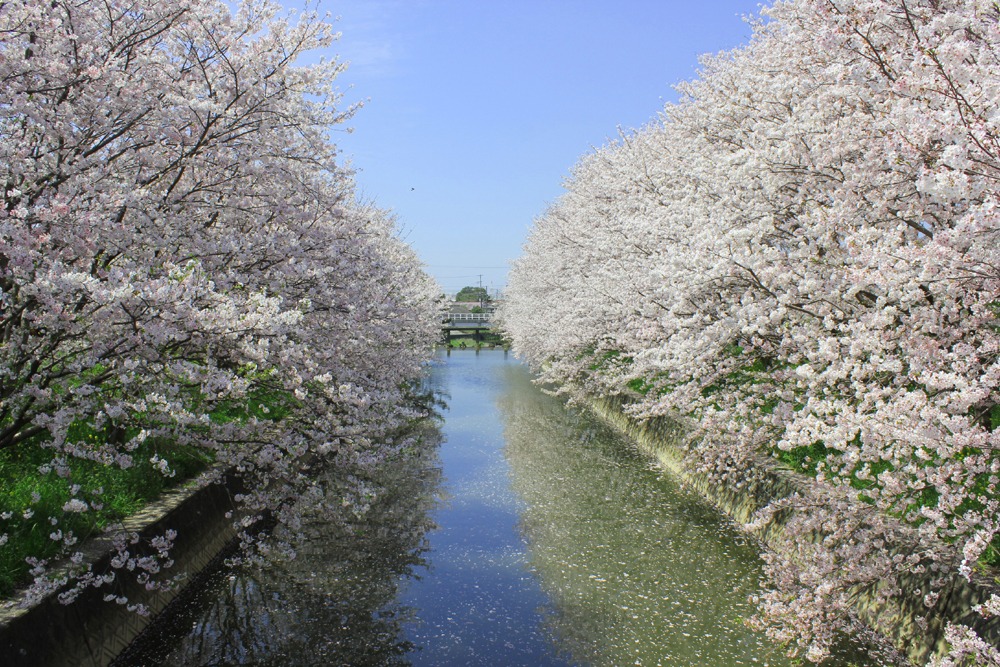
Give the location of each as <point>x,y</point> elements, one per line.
<point>800,260</point>
<point>183,258</point>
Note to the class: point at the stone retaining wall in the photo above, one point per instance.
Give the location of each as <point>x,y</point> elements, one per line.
<point>91,632</point>
<point>768,482</point>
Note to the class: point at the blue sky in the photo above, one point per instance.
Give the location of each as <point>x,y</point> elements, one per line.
<point>476,110</point>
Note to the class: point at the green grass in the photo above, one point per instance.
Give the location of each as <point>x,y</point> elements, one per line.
<point>31,494</point>
<point>488,339</point>
<point>263,404</point>
<point>803,459</point>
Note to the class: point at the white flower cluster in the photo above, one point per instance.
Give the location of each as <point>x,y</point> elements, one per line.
<point>182,258</point>
<point>801,258</point>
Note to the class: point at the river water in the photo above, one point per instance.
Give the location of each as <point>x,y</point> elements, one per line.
<point>529,535</point>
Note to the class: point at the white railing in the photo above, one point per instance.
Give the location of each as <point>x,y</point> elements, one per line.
<point>468,317</point>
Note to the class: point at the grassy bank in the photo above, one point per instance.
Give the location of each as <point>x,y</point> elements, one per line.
<point>469,341</point>
<point>819,460</point>
<point>37,517</point>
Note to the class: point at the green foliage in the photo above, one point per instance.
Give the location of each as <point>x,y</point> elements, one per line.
<point>991,555</point>
<point>260,403</point>
<point>640,386</point>
<point>657,385</point>
<point>473,294</point>
<point>804,459</point>
<point>486,338</point>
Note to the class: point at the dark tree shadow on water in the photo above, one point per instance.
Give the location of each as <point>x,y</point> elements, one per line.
<point>335,603</point>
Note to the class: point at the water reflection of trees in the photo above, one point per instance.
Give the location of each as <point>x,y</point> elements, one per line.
<point>640,571</point>
<point>335,603</point>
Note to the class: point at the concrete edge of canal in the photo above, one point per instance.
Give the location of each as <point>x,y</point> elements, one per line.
<point>896,620</point>
<point>91,632</point>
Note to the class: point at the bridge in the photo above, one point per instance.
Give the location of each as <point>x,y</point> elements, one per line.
<point>477,323</point>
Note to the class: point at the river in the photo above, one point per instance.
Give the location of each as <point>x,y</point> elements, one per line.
<point>529,534</point>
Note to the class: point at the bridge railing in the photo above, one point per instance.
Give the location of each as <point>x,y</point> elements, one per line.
<point>467,317</point>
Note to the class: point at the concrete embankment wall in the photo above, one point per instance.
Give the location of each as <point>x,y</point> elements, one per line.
<point>91,632</point>
<point>767,482</point>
